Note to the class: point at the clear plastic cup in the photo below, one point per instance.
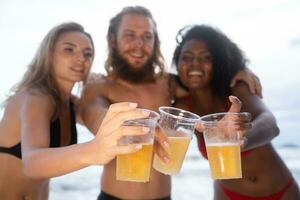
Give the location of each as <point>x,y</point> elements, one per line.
<point>179,126</point>
<point>136,166</point>
<point>223,139</point>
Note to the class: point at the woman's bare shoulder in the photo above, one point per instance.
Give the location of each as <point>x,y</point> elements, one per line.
<point>24,103</point>
<point>36,100</point>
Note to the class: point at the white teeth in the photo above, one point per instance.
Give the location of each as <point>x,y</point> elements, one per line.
<point>195,73</point>
<point>78,69</point>
<point>137,54</point>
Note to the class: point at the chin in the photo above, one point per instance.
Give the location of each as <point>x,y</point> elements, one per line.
<point>136,67</point>
<point>78,79</point>
<point>195,85</point>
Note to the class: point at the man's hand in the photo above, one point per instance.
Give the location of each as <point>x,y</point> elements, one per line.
<point>161,145</point>
<point>250,79</point>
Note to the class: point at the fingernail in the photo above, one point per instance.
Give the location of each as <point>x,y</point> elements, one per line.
<point>146,129</point>
<point>166,144</point>
<point>145,112</point>
<point>134,105</point>
<point>166,159</point>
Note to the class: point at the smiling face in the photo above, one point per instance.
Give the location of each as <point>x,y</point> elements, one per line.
<point>195,64</point>
<point>135,40</point>
<point>72,57</point>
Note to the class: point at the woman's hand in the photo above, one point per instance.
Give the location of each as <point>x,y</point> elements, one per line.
<point>232,123</point>
<point>105,145</point>
<point>235,123</point>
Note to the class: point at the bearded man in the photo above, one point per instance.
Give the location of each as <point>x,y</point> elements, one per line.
<point>135,73</point>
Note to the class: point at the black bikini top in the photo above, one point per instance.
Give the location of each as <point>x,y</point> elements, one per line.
<point>54,136</point>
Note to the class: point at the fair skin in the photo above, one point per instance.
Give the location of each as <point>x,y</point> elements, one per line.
<point>257,179</point>
<point>111,89</point>
<point>134,41</point>
<point>29,178</point>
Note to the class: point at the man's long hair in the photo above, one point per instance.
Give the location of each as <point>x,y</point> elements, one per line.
<point>158,59</point>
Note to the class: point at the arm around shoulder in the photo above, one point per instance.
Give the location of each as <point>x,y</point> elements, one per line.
<point>93,105</point>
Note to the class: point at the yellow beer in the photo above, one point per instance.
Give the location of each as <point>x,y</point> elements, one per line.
<point>224,160</point>
<point>135,166</point>
<point>178,148</point>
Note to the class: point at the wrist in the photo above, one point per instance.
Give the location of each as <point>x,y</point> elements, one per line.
<point>87,153</point>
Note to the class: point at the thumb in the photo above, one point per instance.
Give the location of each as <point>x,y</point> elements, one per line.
<point>236,104</point>
<point>199,127</point>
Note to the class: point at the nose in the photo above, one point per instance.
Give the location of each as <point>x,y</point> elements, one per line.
<point>196,60</point>
<point>80,57</point>
<point>139,41</point>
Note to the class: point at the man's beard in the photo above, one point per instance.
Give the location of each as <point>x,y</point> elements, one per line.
<point>125,71</point>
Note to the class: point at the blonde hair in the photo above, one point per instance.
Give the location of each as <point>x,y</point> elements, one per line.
<point>39,73</point>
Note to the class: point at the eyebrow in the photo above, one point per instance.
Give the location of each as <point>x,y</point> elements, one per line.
<point>74,45</point>
<point>201,52</point>
<point>69,43</point>
<point>133,31</point>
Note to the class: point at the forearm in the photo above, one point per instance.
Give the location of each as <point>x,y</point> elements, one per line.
<point>52,162</point>
<point>264,129</point>
<point>92,117</point>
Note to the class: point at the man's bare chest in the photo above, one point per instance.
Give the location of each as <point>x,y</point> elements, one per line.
<point>148,97</point>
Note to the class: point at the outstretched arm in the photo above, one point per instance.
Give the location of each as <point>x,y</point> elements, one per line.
<point>264,126</point>
<point>40,161</point>
<point>250,79</point>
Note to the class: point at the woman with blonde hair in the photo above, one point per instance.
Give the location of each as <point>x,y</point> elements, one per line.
<point>38,130</point>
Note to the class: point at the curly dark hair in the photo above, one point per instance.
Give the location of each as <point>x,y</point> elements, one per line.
<point>227,58</point>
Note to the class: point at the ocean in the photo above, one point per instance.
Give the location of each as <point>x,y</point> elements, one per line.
<point>270,37</point>
<point>192,183</point>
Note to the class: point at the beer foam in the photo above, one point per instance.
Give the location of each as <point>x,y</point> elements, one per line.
<point>180,138</point>
<point>223,144</point>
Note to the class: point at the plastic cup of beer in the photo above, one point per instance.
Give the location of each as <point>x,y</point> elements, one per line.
<point>179,126</point>
<point>137,166</point>
<point>223,140</point>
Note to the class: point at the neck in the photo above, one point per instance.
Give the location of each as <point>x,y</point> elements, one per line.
<point>65,91</point>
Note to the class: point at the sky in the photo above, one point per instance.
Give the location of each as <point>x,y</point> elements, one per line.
<point>267,31</point>
<point>261,28</point>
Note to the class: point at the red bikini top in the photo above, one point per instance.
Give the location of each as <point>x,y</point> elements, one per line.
<point>199,135</point>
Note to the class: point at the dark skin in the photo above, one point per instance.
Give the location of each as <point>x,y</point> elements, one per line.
<point>134,41</point>
<point>258,180</point>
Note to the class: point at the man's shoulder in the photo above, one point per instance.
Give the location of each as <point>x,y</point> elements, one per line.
<point>97,84</point>
<point>98,80</point>
<point>162,77</point>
